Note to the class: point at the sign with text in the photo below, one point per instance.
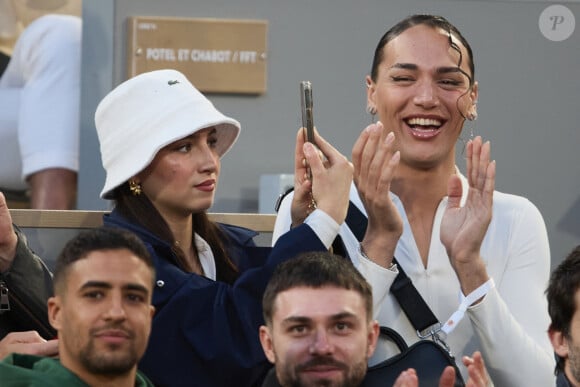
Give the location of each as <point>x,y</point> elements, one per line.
<point>216,55</point>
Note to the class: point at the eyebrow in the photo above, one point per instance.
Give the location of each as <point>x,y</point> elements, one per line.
<point>447,70</point>
<point>106,285</point>
<point>304,319</point>
<point>196,134</point>
<point>404,66</point>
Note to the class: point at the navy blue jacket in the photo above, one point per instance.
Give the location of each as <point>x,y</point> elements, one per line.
<point>205,333</point>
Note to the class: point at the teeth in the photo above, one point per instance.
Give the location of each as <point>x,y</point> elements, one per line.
<point>424,122</point>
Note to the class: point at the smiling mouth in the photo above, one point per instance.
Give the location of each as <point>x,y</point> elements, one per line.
<point>424,127</point>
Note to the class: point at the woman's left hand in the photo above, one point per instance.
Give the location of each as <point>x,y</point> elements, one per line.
<point>463,228</point>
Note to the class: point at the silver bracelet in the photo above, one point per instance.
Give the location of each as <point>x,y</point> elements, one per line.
<point>392,267</point>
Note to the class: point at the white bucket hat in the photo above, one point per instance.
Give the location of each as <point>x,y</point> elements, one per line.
<point>148,112</point>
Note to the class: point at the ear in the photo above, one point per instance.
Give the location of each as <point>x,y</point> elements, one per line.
<point>473,95</point>
<point>371,89</point>
<point>267,345</point>
<point>373,337</point>
<point>54,312</point>
<point>559,342</point>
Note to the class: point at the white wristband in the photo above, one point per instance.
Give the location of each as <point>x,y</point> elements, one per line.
<point>456,317</point>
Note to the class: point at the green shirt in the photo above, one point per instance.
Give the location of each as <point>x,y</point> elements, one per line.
<point>34,371</point>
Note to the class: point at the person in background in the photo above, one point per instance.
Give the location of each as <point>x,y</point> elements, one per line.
<point>103,284</point>
<point>319,328</point>
<point>563,294</point>
<point>456,236</point>
<point>25,285</point>
<point>40,42</point>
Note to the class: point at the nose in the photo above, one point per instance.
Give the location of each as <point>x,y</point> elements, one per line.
<point>115,309</point>
<point>210,159</point>
<point>426,94</point>
<point>321,344</point>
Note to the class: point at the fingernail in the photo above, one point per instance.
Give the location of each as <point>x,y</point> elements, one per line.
<point>396,156</point>
<point>390,138</point>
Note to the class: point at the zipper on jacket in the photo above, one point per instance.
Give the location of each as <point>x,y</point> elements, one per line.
<point>4,299</point>
<point>6,296</point>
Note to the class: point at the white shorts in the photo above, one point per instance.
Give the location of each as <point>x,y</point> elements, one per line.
<point>40,101</point>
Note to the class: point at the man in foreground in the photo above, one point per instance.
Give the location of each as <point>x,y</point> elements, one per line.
<point>319,328</point>
<point>103,283</point>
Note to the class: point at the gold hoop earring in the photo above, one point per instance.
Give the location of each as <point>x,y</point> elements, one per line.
<point>135,188</point>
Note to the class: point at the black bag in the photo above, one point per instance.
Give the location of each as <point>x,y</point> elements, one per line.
<point>427,357</point>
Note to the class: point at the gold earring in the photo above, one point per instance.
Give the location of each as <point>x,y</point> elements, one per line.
<point>135,188</point>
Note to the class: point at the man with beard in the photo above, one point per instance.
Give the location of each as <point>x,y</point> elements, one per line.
<point>319,328</point>
<point>563,305</point>
<point>103,284</point>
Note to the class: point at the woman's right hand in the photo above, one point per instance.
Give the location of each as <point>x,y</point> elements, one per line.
<point>329,187</point>
<point>8,238</point>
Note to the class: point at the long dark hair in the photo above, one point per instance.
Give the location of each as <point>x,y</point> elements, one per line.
<point>140,210</point>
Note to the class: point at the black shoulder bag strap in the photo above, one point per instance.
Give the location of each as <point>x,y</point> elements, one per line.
<point>416,309</point>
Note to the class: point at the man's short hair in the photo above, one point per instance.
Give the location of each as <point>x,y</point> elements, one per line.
<point>561,294</point>
<point>98,239</point>
<point>315,269</point>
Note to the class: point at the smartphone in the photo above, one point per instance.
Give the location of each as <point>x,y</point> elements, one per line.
<point>306,104</point>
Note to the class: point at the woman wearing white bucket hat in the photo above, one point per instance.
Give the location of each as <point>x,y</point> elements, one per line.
<point>161,143</point>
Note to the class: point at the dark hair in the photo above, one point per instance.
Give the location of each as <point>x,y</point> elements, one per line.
<point>140,210</point>
<point>561,294</point>
<point>97,239</point>
<point>315,269</point>
<point>431,21</point>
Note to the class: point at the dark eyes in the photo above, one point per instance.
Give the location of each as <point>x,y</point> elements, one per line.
<point>212,142</point>
<point>444,82</point>
<point>450,82</point>
<point>297,329</point>
<point>339,328</point>
<point>401,79</point>
<point>184,148</point>
<point>187,147</point>
<point>131,297</point>
<point>135,297</point>
<point>94,295</point>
